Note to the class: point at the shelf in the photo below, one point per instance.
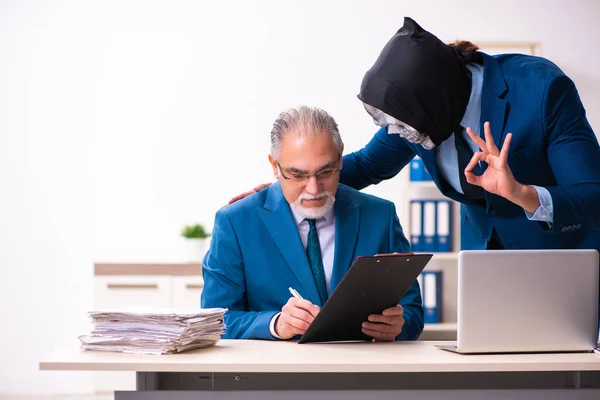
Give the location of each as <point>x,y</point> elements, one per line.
<point>441,327</point>
<point>422,184</point>
<point>147,268</point>
<point>445,256</point>
<point>440,331</point>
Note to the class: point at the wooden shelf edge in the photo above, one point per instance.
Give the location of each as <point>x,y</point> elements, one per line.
<point>441,326</point>
<point>445,256</point>
<point>426,184</point>
<point>103,269</point>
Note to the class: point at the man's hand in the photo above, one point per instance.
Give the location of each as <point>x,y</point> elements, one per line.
<point>249,192</point>
<point>386,326</point>
<point>498,178</point>
<point>295,317</point>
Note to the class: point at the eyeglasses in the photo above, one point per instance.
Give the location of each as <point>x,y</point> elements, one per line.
<point>297,177</point>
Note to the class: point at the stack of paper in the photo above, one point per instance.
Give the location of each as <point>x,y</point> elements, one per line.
<point>153,331</point>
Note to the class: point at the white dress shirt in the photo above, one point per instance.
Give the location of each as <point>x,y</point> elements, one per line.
<point>326,231</point>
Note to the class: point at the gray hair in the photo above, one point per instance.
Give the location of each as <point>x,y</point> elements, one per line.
<point>303,120</point>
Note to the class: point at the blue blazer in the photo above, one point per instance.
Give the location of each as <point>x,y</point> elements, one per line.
<point>256,253</point>
<point>553,146</point>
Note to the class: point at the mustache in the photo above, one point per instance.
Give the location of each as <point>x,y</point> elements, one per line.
<point>307,196</point>
<point>314,213</point>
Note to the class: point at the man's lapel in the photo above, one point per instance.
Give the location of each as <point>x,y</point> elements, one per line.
<point>347,221</point>
<point>278,219</point>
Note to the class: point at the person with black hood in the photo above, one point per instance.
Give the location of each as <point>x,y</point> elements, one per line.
<point>537,187</point>
<point>506,136</point>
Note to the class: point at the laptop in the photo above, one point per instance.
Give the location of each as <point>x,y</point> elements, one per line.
<point>527,301</point>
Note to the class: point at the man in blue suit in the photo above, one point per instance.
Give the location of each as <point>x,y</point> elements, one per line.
<point>303,232</point>
<point>535,188</point>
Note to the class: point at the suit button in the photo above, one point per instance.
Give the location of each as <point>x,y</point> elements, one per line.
<point>578,226</point>
<point>563,229</point>
<point>492,212</point>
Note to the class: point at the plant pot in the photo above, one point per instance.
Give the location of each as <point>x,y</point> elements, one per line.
<point>195,249</point>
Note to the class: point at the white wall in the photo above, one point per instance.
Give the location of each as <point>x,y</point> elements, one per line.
<point>121,121</point>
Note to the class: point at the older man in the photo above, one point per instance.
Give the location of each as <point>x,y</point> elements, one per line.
<point>303,232</point>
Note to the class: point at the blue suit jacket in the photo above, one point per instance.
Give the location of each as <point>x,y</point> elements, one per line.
<point>553,146</point>
<point>256,253</point>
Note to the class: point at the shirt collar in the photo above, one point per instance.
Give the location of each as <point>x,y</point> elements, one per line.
<point>328,215</point>
<point>473,111</point>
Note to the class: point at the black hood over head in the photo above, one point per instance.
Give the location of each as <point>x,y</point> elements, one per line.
<point>420,81</point>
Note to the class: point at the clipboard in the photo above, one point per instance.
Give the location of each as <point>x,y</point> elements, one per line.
<point>371,285</point>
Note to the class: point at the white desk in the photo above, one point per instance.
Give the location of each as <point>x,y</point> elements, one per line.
<point>264,369</point>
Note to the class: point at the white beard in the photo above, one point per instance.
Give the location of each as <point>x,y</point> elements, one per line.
<point>313,212</point>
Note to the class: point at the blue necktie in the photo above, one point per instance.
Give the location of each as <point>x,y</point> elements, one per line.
<point>313,252</point>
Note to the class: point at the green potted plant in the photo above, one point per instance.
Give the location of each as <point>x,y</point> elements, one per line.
<point>195,239</point>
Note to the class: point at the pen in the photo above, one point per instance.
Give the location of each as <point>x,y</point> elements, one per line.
<point>294,293</point>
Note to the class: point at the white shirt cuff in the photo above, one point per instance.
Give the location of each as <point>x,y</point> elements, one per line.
<point>545,211</point>
<point>272,326</point>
